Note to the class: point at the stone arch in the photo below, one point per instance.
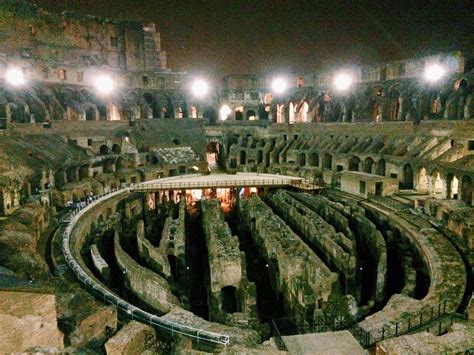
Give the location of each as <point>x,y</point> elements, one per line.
<point>280,113</point>
<point>368,165</point>
<point>239,115</point>
<point>302,159</point>
<point>381,167</point>
<point>153,105</point>
<point>354,163</point>
<point>452,187</point>
<point>104,150</point>
<point>314,159</point>
<point>251,115</point>
<point>291,109</point>
<point>466,190</point>
<point>116,149</point>
<point>407,177</point>
<point>439,190</point>
<point>193,112</point>
<point>327,161</point>
<point>422,185</point>
<point>214,154</point>
<point>210,113</point>
<point>91,113</point>
<point>395,104</point>
<point>243,157</point>
<point>179,112</point>
<point>303,113</point>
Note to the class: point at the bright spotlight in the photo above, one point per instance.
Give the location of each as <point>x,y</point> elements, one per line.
<point>225,111</point>
<point>15,77</point>
<point>279,86</point>
<point>342,81</point>
<point>434,72</point>
<point>200,88</point>
<point>104,84</point>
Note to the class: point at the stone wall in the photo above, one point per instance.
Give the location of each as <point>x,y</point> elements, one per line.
<point>130,340</point>
<point>100,264</point>
<point>336,250</point>
<point>147,285</point>
<point>28,320</point>
<point>154,257</point>
<point>304,280</point>
<point>227,270</point>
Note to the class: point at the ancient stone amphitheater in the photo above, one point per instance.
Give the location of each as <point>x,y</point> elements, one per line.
<point>141,224</point>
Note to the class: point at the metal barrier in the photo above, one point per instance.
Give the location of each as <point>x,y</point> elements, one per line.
<point>412,323</point>
<point>387,201</point>
<point>108,297</point>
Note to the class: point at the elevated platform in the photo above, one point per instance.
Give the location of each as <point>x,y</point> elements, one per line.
<point>189,182</point>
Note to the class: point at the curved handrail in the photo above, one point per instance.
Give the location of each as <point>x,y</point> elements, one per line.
<point>133,311</point>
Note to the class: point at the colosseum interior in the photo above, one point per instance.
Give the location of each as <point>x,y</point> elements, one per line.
<point>151,220</point>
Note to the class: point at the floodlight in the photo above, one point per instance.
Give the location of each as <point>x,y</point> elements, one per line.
<point>225,111</point>
<point>15,77</point>
<point>104,84</point>
<point>279,86</point>
<point>434,72</point>
<point>342,81</point>
<point>200,88</point>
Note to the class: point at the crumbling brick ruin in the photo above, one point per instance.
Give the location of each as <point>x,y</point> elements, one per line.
<point>135,206</point>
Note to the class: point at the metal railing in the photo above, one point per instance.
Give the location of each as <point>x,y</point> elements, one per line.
<point>411,323</point>
<point>108,297</point>
<point>387,201</point>
<point>180,185</point>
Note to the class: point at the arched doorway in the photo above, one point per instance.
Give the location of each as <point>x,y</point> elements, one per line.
<point>302,159</point>
<point>214,154</point>
<point>239,115</point>
<point>368,164</point>
<point>280,116</point>
<point>354,163</point>
<point>466,190</point>
<point>152,104</point>
<point>407,181</point>
<point>314,159</point>
<point>116,149</point>
<point>394,95</point>
<point>381,167</point>
<point>422,185</point>
<point>327,161</point>
<point>104,150</point>
<point>211,114</point>
<point>251,116</point>
<point>229,300</point>
<point>91,114</point>
<point>304,112</point>
<point>259,157</point>
<point>291,118</point>
<point>243,157</point>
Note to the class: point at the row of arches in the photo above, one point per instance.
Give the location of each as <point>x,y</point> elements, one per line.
<point>403,101</point>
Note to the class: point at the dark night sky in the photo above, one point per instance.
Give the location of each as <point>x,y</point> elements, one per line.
<point>236,36</point>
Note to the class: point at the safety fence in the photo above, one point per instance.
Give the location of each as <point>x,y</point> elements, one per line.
<point>429,318</point>
<point>107,296</point>
<point>388,202</point>
<point>410,323</point>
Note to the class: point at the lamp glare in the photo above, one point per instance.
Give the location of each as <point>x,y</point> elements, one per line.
<point>104,84</point>
<point>15,77</point>
<point>200,88</point>
<point>279,86</point>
